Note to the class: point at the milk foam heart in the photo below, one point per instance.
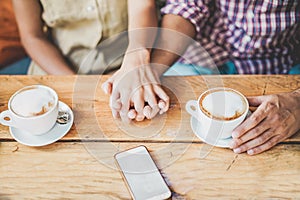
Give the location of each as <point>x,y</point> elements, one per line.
<point>32,102</point>
<point>223,105</point>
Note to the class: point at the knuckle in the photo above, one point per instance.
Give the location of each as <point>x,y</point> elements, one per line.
<point>286,114</point>
<point>270,144</point>
<point>256,132</point>
<point>240,133</point>
<point>281,129</point>
<point>255,118</point>
<point>239,141</point>
<point>276,117</point>
<point>268,107</point>
<point>261,139</point>
<point>114,94</point>
<point>268,134</point>
<point>257,150</point>
<point>141,89</point>
<point>275,99</point>
<point>271,106</point>
<point>116,86</point>
<point>167,99</point>
<point>244,147</point>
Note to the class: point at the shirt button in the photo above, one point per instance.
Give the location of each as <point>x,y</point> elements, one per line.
<point>90,8</point>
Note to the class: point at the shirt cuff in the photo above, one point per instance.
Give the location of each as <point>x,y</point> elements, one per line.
<point>191,11</point>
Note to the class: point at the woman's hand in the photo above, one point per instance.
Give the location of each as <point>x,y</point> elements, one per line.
<point>134,84</point>
<point>276,118</point>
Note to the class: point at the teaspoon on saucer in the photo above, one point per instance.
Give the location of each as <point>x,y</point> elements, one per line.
<point>63,117</point>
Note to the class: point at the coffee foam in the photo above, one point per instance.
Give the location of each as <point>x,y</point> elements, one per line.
<point>223,104</point>
<point>32,102</point>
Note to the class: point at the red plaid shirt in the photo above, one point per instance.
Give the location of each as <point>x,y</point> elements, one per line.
<point>259,36</point>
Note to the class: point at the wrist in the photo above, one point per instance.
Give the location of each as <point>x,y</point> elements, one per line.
<point>136,57</point>
<point>158,69</point>
<point>135,46</point>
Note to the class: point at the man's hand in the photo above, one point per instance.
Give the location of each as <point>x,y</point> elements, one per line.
<point>276,118</point>
<point>133,85</point>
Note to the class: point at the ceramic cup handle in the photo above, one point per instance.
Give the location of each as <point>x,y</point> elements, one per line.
<point>191,107</point>
<point>6,118</point>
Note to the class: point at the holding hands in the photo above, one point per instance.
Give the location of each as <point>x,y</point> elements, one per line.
<point>135,89</point>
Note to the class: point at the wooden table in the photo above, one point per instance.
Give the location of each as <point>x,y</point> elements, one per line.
<point>80,165</point>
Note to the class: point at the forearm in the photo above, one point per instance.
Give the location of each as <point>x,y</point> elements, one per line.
<point>142,24</point>
<point>176,34</point>
<point>42,51</point>
<point>46,55</point>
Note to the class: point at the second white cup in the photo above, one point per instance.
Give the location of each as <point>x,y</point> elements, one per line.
<point>218,111</point>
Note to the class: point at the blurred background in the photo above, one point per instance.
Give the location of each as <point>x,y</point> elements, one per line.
<point>13,58</point>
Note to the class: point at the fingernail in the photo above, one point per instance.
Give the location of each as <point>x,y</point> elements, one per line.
<point>237,150</point>
<point>161,105</point>
<point>146,114</point>
<point>131,115</point>
<point>140,117</point>
<point>250,152</point>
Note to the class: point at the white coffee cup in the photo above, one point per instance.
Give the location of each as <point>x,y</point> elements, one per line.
<point>219,111</point>
<point>33,109</point>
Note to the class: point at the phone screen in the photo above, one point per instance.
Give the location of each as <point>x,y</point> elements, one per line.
<point>142,175</point>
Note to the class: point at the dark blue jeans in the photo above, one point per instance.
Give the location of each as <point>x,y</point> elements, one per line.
<point>179,69</point>
<point>20,67</point>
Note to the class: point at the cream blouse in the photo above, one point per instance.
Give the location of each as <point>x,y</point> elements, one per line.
<point>80,29</point>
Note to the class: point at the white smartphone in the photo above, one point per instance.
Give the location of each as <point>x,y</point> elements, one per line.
<point>141,174</point>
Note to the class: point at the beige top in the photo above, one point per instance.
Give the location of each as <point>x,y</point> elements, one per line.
<point>80,29</point>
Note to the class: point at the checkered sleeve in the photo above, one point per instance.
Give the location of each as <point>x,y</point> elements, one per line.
<point>193,10</point>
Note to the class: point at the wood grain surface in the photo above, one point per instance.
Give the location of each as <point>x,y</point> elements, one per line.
<point>81,165</point>
<point>93,119</point>
<point>67,171</point>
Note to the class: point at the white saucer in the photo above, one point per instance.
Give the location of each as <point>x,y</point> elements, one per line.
<point>56,133</point>
<point>209,140</point>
